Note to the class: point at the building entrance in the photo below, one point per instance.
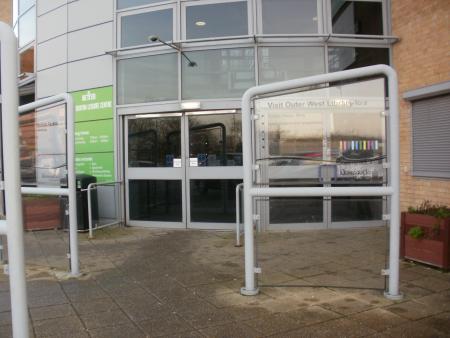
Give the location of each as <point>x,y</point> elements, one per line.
<point>182,168</point>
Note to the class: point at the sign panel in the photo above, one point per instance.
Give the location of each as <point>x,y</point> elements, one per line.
<point>93,104</point>
<point>100,165</point>
<point>94,136</point>
<point>51,146</point>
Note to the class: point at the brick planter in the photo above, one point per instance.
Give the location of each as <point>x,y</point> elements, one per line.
<point>41,213</point>
<point>433,247</point>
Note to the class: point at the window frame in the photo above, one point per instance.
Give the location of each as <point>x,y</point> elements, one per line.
<point>183,28</point>
<point>155,8</point>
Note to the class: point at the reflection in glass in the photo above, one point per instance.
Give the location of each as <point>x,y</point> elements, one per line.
<point>215,140</point>
<point>27,61</point>
<point>285,210</point>
<point>220,73</point>
<point>213,201</point>
<point>342,58</point>
<point>346,209</point>
<point>155,200</point>
<point>153,142</point>
<point>24,5</point>
<point>27,27</point>
<point>27,140</point>
<point>216,20</point>
<point>132,3</point>
<point>289,17</point>
<point>357,17</point>
<point>285,63</point>
<point>136,29</point>
<point>147,79</point>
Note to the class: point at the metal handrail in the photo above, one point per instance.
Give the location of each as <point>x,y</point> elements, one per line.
<point>89,189</point>
<point>238,214</point>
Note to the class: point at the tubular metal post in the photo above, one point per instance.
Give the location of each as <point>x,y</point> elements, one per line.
<point>238,214</point>
<point>13,200</point>
<point>89,187</point>
<point>392,190</point>
<point>71,192</point>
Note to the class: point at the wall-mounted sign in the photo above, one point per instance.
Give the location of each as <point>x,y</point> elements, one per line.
<point>94,136</point>
<point>93,104</point>
<point>100,165</point>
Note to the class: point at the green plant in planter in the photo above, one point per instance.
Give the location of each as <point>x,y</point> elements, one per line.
<point>436,210</point>
<point>416,232</point>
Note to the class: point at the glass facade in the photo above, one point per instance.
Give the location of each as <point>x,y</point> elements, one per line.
<point>357,17</point>
<point>24,21</point>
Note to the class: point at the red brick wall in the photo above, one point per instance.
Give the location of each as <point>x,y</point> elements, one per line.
<point>6,11</point>
<point>421,58</point>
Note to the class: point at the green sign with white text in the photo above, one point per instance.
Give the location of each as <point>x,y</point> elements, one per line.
<point>93,104</point>
<point>94,136</point>
<point>100,165</point>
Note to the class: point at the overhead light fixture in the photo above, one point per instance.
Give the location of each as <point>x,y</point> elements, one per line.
<point>190,105</point>
<point>200,23</point>
<point>154,38</point>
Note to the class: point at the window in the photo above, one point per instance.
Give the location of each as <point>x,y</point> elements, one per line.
<point>431,137</point>
<point>136,29</point>
<point>216,20</point>
<point>27,27</point>
<point>341,58</point>
<point>220,73</point>
<point>357,17</point>
<point>289,16</point>
<point>285,63</point>
<point>148,79</point>
<point>24,5</point>
<point>121,4</point>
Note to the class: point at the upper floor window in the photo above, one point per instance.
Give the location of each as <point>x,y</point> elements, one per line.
<point>357,17</point>
<point>210,20</point>
<point>136,29</point>
<point>24,5</point>
<point>289,17</point>
<point>27,27</point>
<point>121,4</point>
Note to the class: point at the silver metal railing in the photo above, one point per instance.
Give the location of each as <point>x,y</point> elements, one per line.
<point>239,188</point>
<point>96,226</point>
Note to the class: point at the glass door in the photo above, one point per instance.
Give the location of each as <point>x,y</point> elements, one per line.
<point>154,170</point>
<point>213,168</point>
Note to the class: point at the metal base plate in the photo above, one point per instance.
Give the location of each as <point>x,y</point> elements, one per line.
<point>393,297</point>
<point>246,292</point>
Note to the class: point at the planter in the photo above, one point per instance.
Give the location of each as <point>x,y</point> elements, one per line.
<point>433,246</point>
<point>41,213</point>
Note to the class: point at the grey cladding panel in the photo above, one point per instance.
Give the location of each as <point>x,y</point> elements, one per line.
<point>431,137</point>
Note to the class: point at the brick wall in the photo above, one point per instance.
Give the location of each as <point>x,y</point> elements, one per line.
<point>421,58</point>
<point>6,11</point>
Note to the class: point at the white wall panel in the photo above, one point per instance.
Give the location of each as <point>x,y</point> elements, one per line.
<point>51,81</point>
<point>44,6</point>
<point>89,42</point>
<point>90,73</point>
<point>52,52</point>
<point>52,24</point>
<point>85,13</point>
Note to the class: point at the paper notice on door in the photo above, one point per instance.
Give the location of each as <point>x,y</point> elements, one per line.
<point>177,162</point>
<point>193,162</point>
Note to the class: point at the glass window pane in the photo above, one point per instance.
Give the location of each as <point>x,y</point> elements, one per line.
<point>213,201</point>
<point>225,19</point>
<point>220,73</point>
<point>15,12</point>
<point>341,58</point>
<point>27,27</point>
<point>132,3</point>
<point>148,79</point>
<point>348,209</point>
<point>153,142</point>
<point>27,131</point>
<point>24,5</point>
<point>357,17</point>
<point>285,63</point>
<point>215,140</point>
<point>136,29</point>
<point>155,200</point>
<point>289,17</point>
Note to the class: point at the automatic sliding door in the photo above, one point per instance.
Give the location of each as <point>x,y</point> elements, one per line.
<point>154,171</point>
